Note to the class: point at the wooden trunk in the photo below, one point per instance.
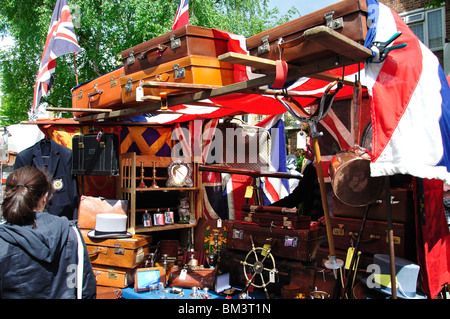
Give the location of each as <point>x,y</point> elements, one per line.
<point>125,252</point>
<point>191,69</point>
<point>299,244</point>
<point>182,42</point>
<point>100,93</point>
<point>348,18</point>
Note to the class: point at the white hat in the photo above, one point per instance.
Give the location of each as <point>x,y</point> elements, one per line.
<point>110,226</point>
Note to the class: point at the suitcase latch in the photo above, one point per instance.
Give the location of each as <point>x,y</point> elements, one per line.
<point>118,250</point>
<point>129,85</point>
<point>265,46</point>
<point>339,231</point>
<point>238,234</point>
<point>112,82</point>
<point>333,23</point>
<point>131,58</point>
<point>286,222</point>
<point>80,95</point>
<point>248,218</point>
<point>290,241</point>
<point>174,43</point>
<point>178,73</point>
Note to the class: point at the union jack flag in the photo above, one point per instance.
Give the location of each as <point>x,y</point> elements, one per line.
<point>60,40</point>
<point>182,16</point>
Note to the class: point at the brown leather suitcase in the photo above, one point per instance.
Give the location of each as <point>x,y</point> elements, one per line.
<point>182,42</point>
<point>114,276</point>
<point>298,244</point>
<point>108,292</point>
<point>100,93</point>
<point>90,206</point>
<point>402,205</point>
<point>194,69</point>
<point>374,239</point>
<point>124,252</point>
<point>346,17</point>
<point>292,221</point>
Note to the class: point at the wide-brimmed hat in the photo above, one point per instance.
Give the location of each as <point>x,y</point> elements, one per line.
<point>406,277</point>
<point>110,226</point>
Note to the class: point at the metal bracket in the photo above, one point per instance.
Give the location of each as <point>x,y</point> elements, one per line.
<point>174,43</point>
<point>290,241</point>
<point>112,82</point>
<point>178,73</point>
<point>238,234</point>
<point>118,250</point>
<point>333,23</point>
<point>131,59</point>
<point>129,85</point>
<point>265,46</point>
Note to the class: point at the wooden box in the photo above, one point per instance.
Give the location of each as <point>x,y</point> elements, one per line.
<point>348,18</point>
<point>191,69</point>
<point>182,42</point>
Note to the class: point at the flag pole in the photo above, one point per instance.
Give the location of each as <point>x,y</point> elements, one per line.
<point>75,64</point>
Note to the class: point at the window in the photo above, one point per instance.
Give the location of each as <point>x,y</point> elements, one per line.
<point>428,25</point>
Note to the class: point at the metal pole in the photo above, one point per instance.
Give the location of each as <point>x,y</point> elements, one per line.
<point>390,238</point>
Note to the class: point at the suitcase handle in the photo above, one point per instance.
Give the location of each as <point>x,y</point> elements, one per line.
<point>102,250</point>
<point>159,49</point>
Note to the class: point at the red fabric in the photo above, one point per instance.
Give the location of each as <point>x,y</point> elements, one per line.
<point>433,238</point>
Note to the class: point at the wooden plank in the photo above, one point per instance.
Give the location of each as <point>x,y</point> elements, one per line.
<point>338,43</point>
<point>177,85</point>
<point>72,109</point>
<point>267,64</point>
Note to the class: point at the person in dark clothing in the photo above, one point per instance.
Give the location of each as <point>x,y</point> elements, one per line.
<point>40,254</point>
<point>307,191</point>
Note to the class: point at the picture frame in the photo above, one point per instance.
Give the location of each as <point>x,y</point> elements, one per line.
<point>169,217</point>
<point>158,219</point>
<point>180,174</point>
<point>144,277</point>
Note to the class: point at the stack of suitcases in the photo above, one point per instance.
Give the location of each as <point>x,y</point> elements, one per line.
<point>114,260</point>
<point>185,55</point>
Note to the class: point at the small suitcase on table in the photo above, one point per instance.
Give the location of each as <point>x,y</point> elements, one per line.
<point>194,69</point>
<point>296,244</point>
<point>95,154</point>
<point>114,276</point>
<point>123,252</point>
<point>182,42</point>
<point>346,17</point>
<point>374,239</point>
<point>100,93</point>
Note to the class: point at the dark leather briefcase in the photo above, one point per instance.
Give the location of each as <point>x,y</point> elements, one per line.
<point>95,154</point>
<point>346,17</point>
<point>296,244</point>
<point>179,43</point>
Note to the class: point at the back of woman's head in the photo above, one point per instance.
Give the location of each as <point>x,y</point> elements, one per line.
<point>24,189</point>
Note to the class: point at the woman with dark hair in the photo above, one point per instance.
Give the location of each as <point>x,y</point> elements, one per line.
<point>41,255</point>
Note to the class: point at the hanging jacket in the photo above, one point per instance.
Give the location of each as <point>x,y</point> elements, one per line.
<point>40,262</point>
<point>57,159</point>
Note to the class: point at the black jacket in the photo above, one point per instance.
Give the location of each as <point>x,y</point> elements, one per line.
<point>40,263</point>
<point>58,161</point>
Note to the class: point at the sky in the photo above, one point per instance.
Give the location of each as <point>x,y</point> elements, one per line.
<point>304,6</point>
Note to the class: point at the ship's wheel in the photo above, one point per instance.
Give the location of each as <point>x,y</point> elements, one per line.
<point>259,268</point>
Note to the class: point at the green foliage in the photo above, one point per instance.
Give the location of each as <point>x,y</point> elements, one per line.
<point>104,29</point>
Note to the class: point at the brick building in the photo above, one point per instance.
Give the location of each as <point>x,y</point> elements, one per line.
<point>431,25</point>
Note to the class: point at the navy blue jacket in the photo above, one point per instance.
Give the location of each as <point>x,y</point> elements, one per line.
<point>65,199</point>
<point>40,262</point>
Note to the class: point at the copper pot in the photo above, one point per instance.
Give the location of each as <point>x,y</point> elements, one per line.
<point>350,178</point>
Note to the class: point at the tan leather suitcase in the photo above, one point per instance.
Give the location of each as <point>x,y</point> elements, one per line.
<point>346,17</point>
<point>182,42</point>
<point>194,69</point>
<point>124,252</point>
<point>90,206</point>
<point>100,93</point>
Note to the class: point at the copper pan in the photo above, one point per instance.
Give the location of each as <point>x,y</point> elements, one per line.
<point>350,178</point>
